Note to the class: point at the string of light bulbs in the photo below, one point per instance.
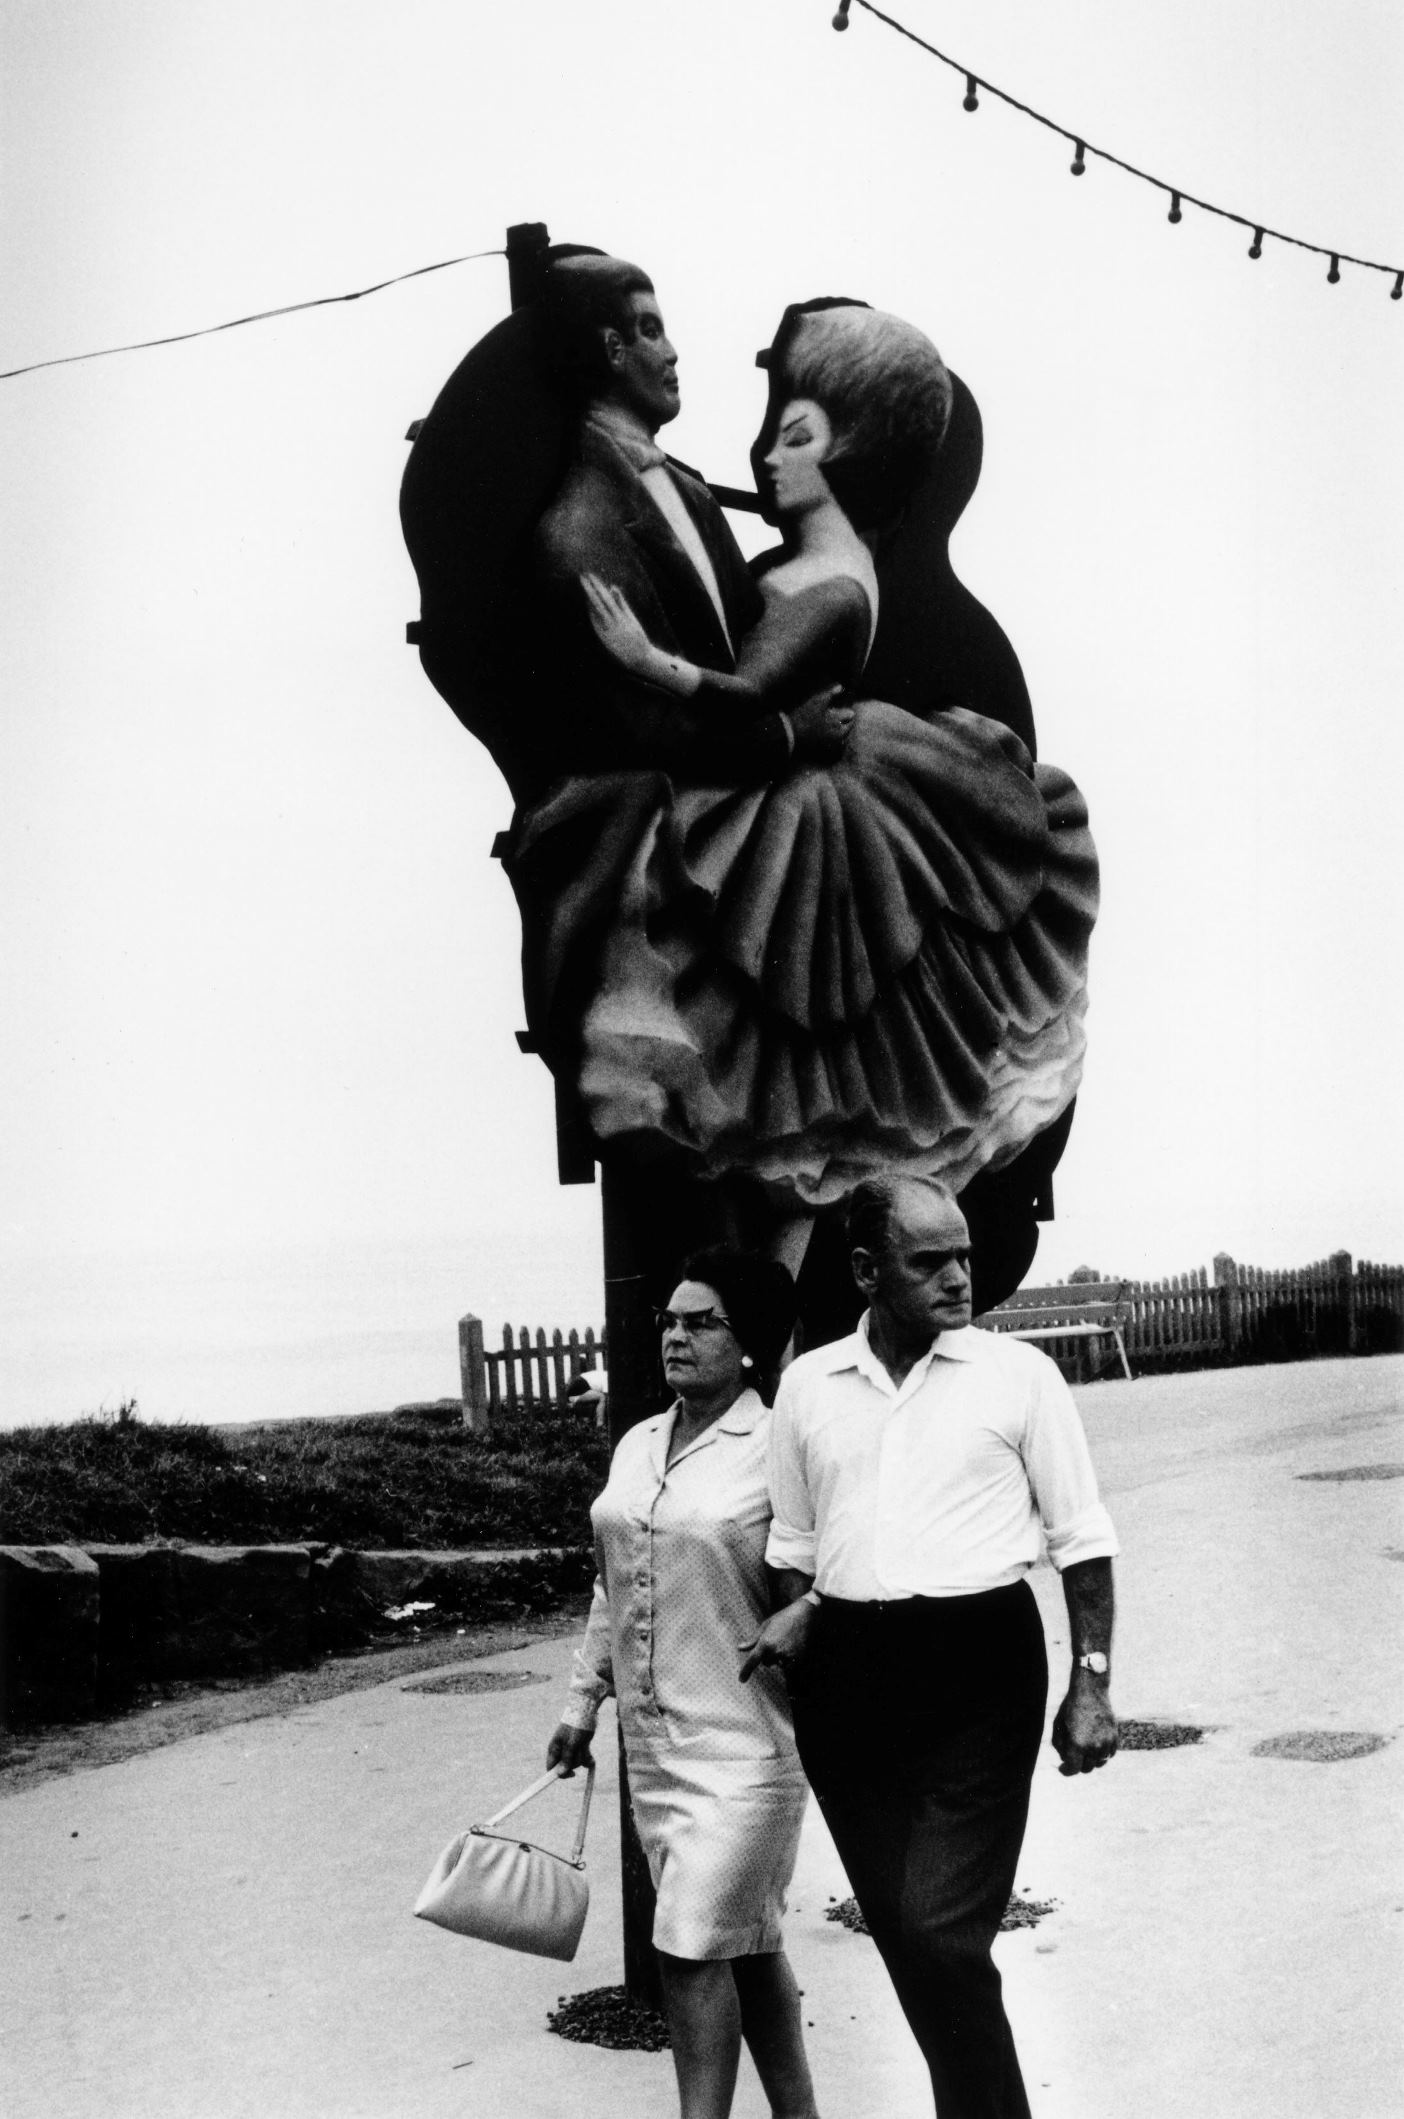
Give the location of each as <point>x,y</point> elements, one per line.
<point>1178,197</point>
<point>260,316</point>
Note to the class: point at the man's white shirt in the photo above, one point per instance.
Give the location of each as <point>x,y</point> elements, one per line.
<point>945,1486</point>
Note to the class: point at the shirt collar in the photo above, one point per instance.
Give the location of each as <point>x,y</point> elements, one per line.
<point>628,434</point>
<point>741,1418</point>
<point>856,1352</point>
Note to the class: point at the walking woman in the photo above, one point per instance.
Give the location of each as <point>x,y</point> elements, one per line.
<point>718,1791</point>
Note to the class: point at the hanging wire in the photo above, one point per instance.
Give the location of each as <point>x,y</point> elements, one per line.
<point>260,316</point>
<point>1177,197</point>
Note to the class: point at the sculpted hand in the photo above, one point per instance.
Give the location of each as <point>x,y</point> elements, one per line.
<point>569,1747</point>
<point>822,727</point>
<point>616,627</point>
<point>1084,1730</point>
<point>779,1641</point>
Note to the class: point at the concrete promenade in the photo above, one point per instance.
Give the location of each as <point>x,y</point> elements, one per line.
<point>222,1928</point>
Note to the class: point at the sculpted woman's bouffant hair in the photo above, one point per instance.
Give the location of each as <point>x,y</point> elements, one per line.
<point>888,394</point>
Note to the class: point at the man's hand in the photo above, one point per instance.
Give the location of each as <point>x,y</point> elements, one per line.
<point>780,1640</point>
<point>569,1747</point>
<point>822,727</point>
<point>1084,1728</point>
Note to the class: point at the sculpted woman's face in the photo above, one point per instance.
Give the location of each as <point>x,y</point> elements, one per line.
<point>794,462</point>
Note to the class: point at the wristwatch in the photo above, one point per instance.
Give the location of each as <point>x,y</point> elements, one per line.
<point>1096,1662</point>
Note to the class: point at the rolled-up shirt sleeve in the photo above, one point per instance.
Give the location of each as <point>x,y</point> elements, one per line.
<point>592,1668</point>
<point>1076,1525</point>
<point>792,1542</point>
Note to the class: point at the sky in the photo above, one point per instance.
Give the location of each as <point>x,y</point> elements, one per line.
<point>266,1129</point>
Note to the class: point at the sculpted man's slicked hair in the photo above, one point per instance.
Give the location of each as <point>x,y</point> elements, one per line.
<point>868,1216</point>
<point>584,296</point>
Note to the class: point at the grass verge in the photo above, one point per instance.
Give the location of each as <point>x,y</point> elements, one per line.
<point>416,1479</point>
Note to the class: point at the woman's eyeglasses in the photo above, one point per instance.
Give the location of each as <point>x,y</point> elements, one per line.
<point>695,1323</point>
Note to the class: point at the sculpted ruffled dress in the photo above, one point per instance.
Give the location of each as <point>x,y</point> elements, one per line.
<point>874,963</point>
<point>718,1791</point>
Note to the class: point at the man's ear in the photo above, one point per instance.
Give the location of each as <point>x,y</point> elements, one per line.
<point>613,345</point>
<point>864,1270</point>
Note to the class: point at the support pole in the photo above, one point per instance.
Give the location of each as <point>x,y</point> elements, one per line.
<point>527,244</point>
<point>633,1395</point>
<point>633,1392</point>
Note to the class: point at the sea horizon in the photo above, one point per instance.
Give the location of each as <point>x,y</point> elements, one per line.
<point>304,1331</point>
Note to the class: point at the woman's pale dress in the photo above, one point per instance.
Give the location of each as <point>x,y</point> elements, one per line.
<point>717,1787</point>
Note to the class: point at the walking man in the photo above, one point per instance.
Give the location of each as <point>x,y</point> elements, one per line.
<point>914,1468</point>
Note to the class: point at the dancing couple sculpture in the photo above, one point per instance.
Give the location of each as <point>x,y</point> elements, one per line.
<point>798,902</point>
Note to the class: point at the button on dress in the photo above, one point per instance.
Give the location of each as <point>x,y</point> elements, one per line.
<point>717,1787</point>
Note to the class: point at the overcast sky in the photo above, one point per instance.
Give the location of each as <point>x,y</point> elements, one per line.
<point>260,973</point>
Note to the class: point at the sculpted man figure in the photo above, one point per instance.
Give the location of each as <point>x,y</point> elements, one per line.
<point>913,1467</point>
<point>649,527</point>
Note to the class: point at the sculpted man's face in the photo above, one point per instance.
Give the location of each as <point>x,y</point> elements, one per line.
<point>922,1278</point>
<point>794,462</point>
<point>645,366</point>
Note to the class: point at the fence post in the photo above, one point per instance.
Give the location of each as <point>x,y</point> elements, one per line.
<point>1230,1302</point>
<point>1342,1267</point>
<point>472,1371</point>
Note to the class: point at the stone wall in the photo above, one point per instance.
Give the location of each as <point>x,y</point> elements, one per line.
<point>80,1628</point>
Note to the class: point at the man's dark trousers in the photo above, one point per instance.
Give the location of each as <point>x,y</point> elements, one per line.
<point>919,1724</point>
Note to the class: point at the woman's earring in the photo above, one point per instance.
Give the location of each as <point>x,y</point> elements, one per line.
<point>746,1362</point>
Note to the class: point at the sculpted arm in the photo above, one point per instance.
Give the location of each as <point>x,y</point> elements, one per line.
<point>810,633</point>
<point>737,739</point>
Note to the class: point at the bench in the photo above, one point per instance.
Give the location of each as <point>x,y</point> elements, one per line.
<point>1093,1309</point>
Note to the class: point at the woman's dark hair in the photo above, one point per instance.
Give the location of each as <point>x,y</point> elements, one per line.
<point>757,1294</point>
<point>586,294</point>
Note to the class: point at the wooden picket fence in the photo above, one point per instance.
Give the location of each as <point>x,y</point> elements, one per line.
<point>1255,1313</point>
<point>1244,1313</point>
<point>527,1373</point>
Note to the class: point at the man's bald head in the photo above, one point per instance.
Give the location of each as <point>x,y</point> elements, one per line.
<point>911,1255</point>
<point>871,1206</point>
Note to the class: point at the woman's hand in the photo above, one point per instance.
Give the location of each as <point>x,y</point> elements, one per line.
<point>569,1747</point>
<point>822,727</point>
<point>616,627</point>
<point>780,1640</point>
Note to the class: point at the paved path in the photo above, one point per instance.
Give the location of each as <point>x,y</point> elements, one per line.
<point>221,1928</point>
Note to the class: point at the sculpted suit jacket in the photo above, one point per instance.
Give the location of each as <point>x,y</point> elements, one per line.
<point>603,521</point>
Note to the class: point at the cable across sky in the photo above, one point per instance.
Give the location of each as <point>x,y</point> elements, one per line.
<point>259,316</point>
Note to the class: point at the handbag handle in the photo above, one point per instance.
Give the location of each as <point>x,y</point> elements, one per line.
<point>519,1802</point>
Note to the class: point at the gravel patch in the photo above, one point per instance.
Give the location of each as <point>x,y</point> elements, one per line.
<point>1021,1912</point>
<point>1359,1471</point>
<point>1156,1736</point>
<point>1320,1747</point>
<point>460,1681</point>
<point>609,2016</point>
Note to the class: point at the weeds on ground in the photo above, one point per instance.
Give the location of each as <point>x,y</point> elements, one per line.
<point>414,1479</point>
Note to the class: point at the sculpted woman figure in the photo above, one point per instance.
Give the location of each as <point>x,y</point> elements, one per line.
<point>717,1790</point>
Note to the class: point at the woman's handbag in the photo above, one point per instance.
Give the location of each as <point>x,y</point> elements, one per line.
<point>507,1890</point>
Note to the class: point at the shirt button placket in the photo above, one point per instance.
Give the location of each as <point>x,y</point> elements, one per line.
<point>645,1625</point>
